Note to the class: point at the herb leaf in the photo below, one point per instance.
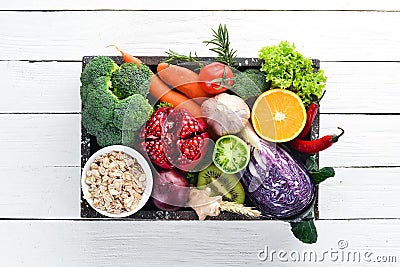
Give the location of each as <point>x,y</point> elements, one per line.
<point>305,231</point>
<point>286,68</point>
<point>318,175</point>
<point>172,56</point>
<point>191,177</point>
<point>311,164</point>
<point>221,42</point>
<point>322,174</point>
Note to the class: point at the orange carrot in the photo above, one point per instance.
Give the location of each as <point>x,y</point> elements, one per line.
<point>128,57</point>
<point>162,92</point>
<point>184,80</point>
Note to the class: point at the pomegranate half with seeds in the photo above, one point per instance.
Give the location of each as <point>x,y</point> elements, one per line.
<point>173,138</point>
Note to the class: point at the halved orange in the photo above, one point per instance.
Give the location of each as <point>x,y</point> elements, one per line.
<point>278,115</point>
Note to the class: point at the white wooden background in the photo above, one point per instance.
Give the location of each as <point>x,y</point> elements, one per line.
<point>41,45</point>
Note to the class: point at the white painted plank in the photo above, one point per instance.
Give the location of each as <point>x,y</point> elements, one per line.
<point>369,140</point>
<point>361,87</point>
<point>353,87</point>
<point>329,36</point>
<point>361,193</point>
<point>40,86</point>
<point>77,243</point>
<point>54,192</point>
<point>48,140</point>
<point>203,5</point>
<point>54,140</point>
<point>40,192</point>
<point>40,140</point>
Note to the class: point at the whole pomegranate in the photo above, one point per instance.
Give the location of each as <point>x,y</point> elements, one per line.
<point>174,138</point>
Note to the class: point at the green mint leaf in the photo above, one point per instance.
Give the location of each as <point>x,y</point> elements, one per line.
<point>322,174</point>
<point>191,177</point>
<point>305,231</point>
<point>311,164</point>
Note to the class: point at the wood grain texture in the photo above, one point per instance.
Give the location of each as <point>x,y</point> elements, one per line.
<point>53,192</point>
<point>361,87</point>
<point>72,243</point>
<point>369,140</point>
<point>361,193</point>
<point>40,192</point>
<point>203,5</point>
<point>39,140</point>
<point>40,86</point>
<point>54,140</point>
<point>54,87</point>
<point>328,36</point>
<point>39,163</point>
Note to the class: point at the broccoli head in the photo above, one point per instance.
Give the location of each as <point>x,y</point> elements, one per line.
<point>109,136</point>
<point>131,79</point>
<point>101,103</point>
<point>128,138</point>
<point>132,112</point>
<point>98,84</point>
<point>104,115</point>
<point>100,66</point>
<point>249,83</point>
<point>92,124</point>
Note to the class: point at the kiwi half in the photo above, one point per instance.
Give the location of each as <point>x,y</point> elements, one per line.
<point>221,184</point>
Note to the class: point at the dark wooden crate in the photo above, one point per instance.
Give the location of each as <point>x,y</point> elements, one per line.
<point>149,212</point>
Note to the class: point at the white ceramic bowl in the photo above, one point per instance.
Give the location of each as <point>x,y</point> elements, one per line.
<point>140,159</point>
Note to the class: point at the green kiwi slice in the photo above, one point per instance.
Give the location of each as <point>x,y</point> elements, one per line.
<point>231,154</point>
<point>221,184</point>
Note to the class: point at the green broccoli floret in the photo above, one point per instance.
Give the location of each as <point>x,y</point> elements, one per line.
<point>131,79</point>
<point>132,112</point>
<point>249,83</point>
<point>91,123</point>
<point>128,138</point>
<point>97,75</point>
<point>98,84</point>
<point>109,136</point>
<point>104,115</point>
<point>85,89</point>
<point>100,66</point>
<point>101,103</point>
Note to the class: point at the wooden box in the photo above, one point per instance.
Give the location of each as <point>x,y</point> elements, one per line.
<point>149,211</point>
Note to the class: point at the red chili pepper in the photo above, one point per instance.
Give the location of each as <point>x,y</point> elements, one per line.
<point>315,146</point>
<point>311,113</point>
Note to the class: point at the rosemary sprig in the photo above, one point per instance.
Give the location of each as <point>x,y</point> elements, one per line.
<point>221,41</point>
<point>172,56</point>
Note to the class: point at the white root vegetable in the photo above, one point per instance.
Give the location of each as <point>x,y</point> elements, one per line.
<point>203,204</point>
<point>225,113</point>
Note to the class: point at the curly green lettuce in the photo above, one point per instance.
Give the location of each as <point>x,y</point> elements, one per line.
<point>288,69</point>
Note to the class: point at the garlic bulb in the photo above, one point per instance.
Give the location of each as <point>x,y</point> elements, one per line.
<point>225,113</point>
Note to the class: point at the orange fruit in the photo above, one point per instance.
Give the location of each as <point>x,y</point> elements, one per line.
<point>278,115</point>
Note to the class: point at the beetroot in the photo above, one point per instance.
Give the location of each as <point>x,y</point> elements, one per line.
<point>174,138</point>
<point>170,190</point>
